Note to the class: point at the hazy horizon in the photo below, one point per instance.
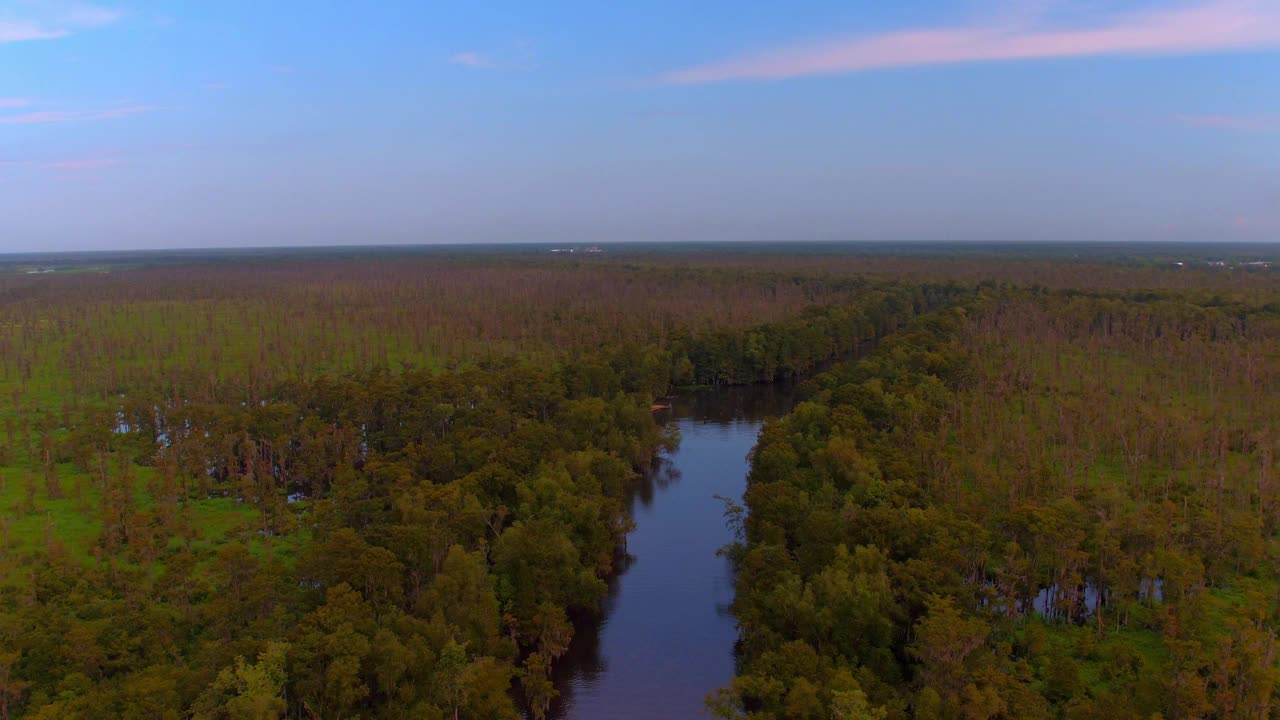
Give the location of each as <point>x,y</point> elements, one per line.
<point>146,125</point>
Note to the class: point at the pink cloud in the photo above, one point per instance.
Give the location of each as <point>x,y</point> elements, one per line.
<point>14,102</point>
<point>1249,123</point>
<point>97,159</point>
<point>51,25</point>
<point>42,117</point>
<point>1211,25</point>
<point>18,31</point>
<point>90,162</point>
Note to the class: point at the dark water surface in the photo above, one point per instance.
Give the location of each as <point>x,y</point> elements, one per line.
<point>665,638</point>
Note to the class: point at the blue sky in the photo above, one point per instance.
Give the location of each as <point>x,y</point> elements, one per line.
<point>137,124</point>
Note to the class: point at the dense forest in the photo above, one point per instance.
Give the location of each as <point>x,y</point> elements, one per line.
<point>384,485</point>
<point>1031,504</point>
<point>359,489</point>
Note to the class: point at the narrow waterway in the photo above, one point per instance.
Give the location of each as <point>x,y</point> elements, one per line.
<point>665,637</point>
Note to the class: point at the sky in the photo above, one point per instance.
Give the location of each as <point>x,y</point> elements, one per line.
<point>167,123</point>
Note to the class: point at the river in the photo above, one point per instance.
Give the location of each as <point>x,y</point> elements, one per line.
<point>665,636</point>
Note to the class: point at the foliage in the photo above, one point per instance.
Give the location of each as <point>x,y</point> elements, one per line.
<point>1035,504</point>
<point>376,489</point>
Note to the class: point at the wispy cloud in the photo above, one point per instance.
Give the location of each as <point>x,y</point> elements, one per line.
<point>518,55</point>
<point>283,69</point>
<point>1204,26</point>
<point>55,20</point>
<point>42,117</point>
<point>20,30</point>
<point>13,102</point>
<point>81,15</point>
<point>215,86</point>
<point>1243,123</point>
<point>88,162</point>
<point>473,59</point>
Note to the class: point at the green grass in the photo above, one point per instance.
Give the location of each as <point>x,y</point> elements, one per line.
<point>1094,654</point>
<point>77,526</point>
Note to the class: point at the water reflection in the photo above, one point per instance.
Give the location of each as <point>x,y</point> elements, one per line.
<point>662,475</point>
<point>665,636</point>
